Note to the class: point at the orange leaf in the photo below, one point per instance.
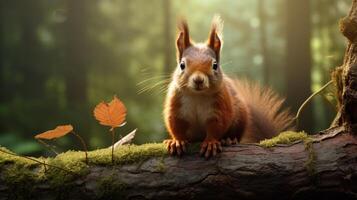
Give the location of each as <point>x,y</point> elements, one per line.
<point>58,132</point>
<point>112,114</point>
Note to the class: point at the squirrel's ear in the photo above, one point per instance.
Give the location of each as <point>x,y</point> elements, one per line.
<point>183,38</point>
<point>215,37</point>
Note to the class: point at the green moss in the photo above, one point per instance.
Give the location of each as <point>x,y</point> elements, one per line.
<point>287,137</point>
<point>74,161</point>
<point>310,163</point>
<point>18,169</point>
<point>128,154</point>
<point>9,159</point>
<point>161,165</point>
<point>21,173</point>
<point>71,164</point>
<point>110,186</point>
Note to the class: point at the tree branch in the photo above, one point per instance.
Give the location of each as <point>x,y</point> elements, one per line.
<point>244,171</point>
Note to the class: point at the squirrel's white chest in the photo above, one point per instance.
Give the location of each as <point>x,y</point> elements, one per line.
<point>196,110</point>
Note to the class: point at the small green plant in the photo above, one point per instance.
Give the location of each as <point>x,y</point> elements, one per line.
<point>58,132</point>
<point>111,114</point>
<point>303,105</point>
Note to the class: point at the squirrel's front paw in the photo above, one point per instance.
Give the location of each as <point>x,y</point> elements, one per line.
<point>210,148</point>
<point>177,147</point>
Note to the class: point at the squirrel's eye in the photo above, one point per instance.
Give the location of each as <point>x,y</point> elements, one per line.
<point>215,65</point>
<point>182,65</point>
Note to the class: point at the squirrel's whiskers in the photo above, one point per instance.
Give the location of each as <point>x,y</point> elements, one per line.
<point>151,84</point>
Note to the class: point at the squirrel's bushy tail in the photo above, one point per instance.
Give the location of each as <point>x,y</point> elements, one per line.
<point>267,118</point>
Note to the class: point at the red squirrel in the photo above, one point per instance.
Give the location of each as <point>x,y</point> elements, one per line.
<point>204,104</point>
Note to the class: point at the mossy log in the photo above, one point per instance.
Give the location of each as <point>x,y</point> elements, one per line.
<point>325,168</point>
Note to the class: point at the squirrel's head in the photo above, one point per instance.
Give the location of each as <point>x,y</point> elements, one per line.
<point>198,65</point>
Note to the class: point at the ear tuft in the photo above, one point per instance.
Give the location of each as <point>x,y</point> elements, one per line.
<point>217,25</point>
<point>183,39</point>
<point>215,39</point>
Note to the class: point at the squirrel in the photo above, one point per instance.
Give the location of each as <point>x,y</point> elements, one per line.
<point>204,105</point>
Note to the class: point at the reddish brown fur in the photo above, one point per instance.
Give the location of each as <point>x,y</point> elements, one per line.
<point>218,126</point>
<point>221,107</point>
<point>177,127</point>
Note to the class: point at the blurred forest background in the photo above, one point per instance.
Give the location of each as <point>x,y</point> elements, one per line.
<point>59,58</point>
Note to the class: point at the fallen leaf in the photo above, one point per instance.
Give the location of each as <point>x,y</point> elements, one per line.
<point>126,139</point>
<point>58,132</point>
<point>110,114</point>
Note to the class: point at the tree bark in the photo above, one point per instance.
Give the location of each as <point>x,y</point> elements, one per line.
<point>346,75</point>
<point>325,169</point>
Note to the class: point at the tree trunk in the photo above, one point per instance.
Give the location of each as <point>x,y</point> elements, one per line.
<point>2,70</point>
<point>263,41</point>
<point>2,29</point>
<point>76,53</point>
<point>168,41</point>
<point>346,75</point>
<point>77,63</point>
<point>298,66</point>
<point>32,86</point>
<point>28,64</point>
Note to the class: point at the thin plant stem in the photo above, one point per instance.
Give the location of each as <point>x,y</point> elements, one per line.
<point>47,146</point>
<point>83,145</point>
<point>44,166</point>
<point>28,158</point>
<point>303,105</point>
<point>113,138</point>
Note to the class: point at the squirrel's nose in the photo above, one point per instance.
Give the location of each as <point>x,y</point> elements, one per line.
<point>198,80</point>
